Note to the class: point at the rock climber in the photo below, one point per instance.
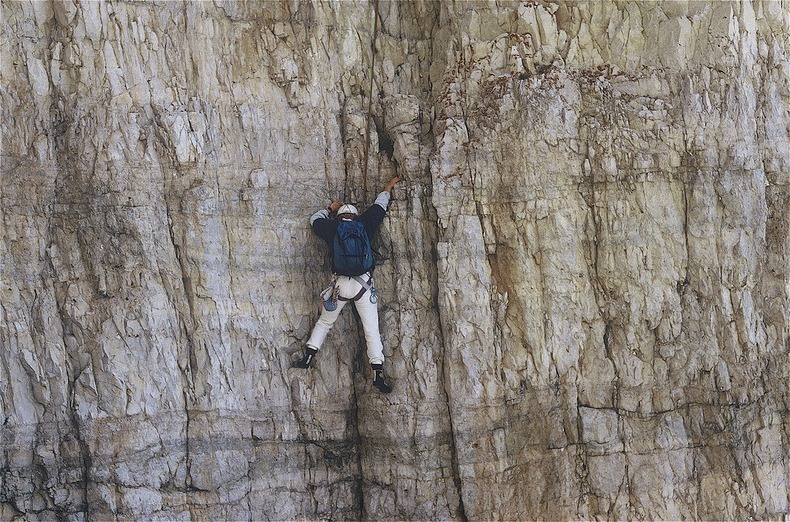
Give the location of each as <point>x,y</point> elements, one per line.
<point>347,284</point>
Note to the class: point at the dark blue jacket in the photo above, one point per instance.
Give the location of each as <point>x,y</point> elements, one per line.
<point>325,227</point>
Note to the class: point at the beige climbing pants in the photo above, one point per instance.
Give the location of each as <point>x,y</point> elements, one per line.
<point>368,314</point>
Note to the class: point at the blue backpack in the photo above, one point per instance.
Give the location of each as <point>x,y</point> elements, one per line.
<point>351,253</point>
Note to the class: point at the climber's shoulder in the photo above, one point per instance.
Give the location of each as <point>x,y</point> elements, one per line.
<point>372,218</point>
<point>325,228</point>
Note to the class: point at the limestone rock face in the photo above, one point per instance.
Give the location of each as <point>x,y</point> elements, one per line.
<point>583,274</point>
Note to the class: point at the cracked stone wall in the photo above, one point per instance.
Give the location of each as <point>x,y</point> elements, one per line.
<point>583,275</point>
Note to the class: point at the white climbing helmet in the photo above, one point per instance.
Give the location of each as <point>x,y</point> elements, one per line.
<point>347,209</point>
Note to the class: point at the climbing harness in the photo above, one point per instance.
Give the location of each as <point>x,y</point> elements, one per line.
<point>330,296</point>
<point>366,286</point>
<point>370,103</point>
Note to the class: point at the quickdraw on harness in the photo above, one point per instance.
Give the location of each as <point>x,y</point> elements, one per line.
<point>330,296</point>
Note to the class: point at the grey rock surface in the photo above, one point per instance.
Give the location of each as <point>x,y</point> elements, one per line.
<point>583,275</point>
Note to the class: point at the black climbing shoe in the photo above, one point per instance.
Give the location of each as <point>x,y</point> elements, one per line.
<point>378,379</point>
<point>305,361</point>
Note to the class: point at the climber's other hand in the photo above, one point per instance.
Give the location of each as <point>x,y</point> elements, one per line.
<point>392,184</point>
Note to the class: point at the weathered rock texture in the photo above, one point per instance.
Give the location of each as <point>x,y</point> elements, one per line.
<point>583,276</point>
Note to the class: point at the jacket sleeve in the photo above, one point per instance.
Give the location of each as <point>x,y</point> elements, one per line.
<point>374,215</point>
<point>323,226</point>
<point>321,214</point>
<point>383,199</point>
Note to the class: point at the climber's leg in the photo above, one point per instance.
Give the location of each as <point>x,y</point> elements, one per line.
<point>369,315</point>
<point>318,335</point>
<point>323,325</point>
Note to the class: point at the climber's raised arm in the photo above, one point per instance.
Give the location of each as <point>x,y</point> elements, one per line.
<point>322,223</point>
<point>325,213</point>
<point>374,215</point>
